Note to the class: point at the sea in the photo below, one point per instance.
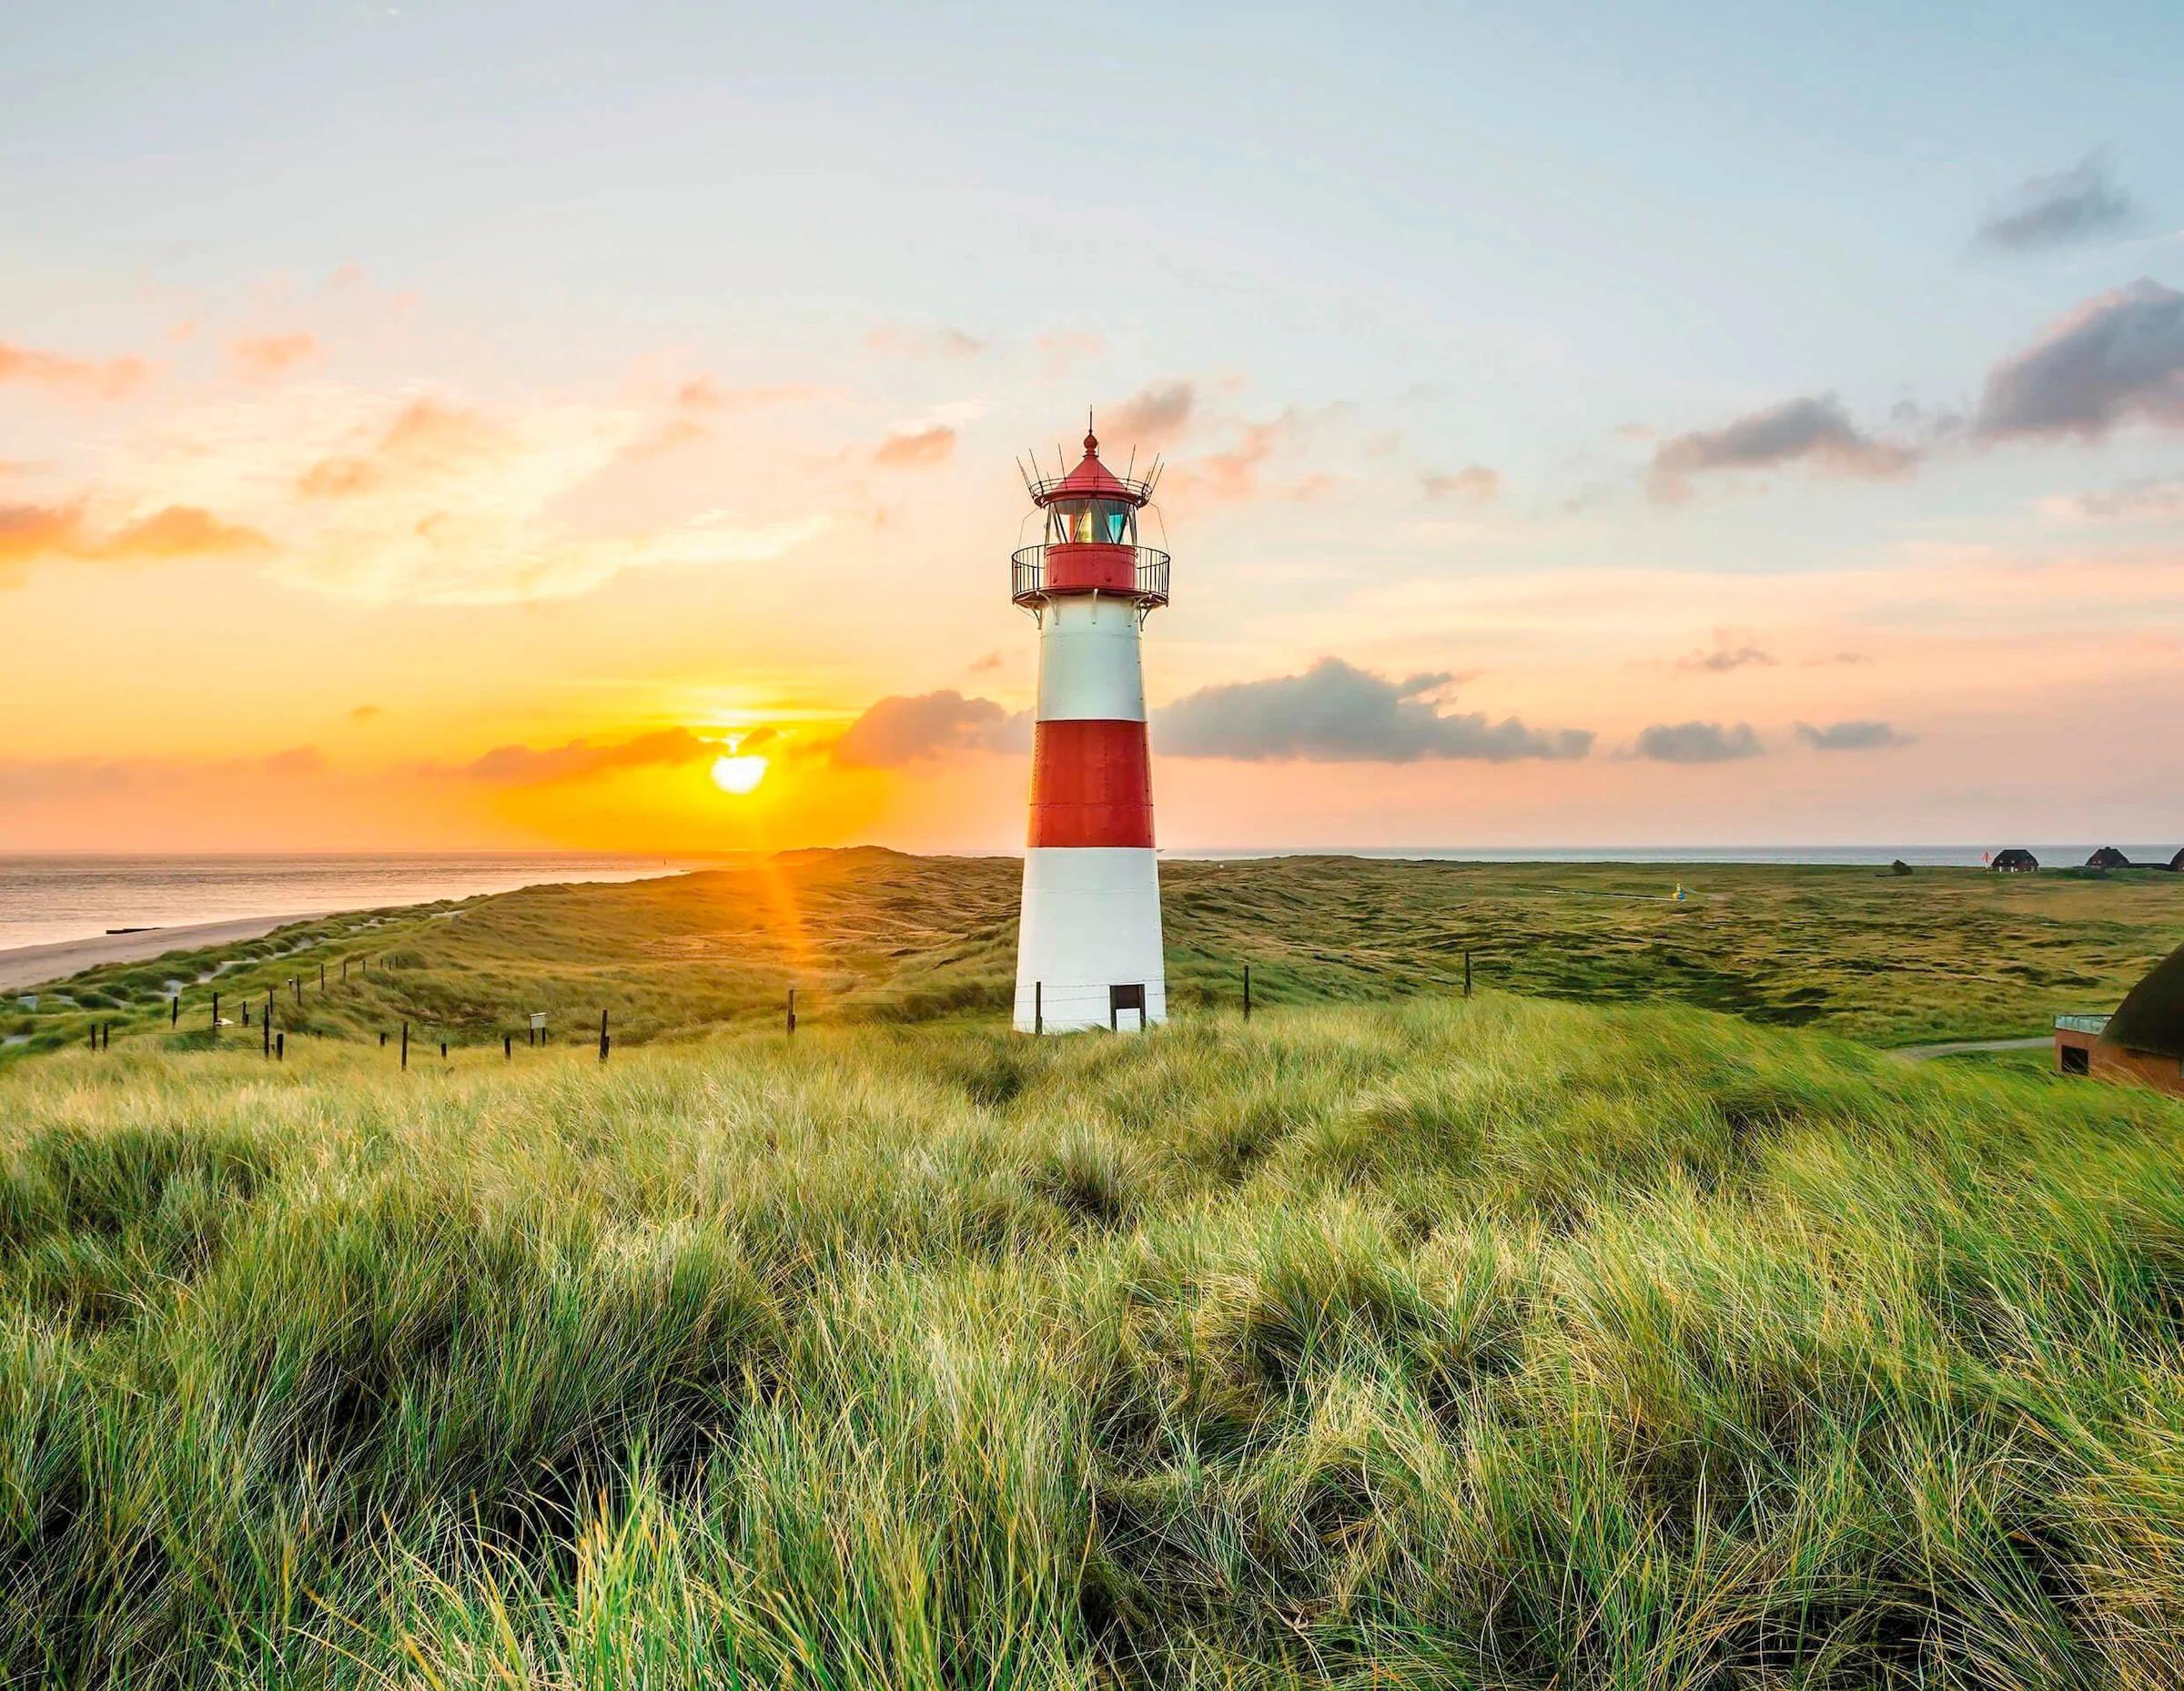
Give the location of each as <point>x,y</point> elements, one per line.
<point>53,898</point>
<point>48,898</point>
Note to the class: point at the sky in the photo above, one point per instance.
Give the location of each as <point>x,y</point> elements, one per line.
<point>461,425</point>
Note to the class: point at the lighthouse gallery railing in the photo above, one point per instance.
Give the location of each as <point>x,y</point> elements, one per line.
<point>1027,575</point>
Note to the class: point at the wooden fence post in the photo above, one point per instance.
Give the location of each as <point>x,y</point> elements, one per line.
<point>1247,992</point>
<point>176,1019</point>
<point>265,1030</point>
<point>281,1048</point>
<point>792,1009</point>
<point>216,1012</point>
<point>405,1046</point>
<point>1039,1007</point>
<point>1467,973</point>
<point>507,1045</point>
<point>603,1042</point>
<point>323,977</point>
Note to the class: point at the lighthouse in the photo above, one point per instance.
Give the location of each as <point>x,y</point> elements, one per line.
<point>1089,944</point>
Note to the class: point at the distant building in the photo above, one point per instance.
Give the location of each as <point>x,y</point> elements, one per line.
<point>2107,857</point>
<point>2143,1041</point>
<point>2176,862</point>
<point>2016,860</point>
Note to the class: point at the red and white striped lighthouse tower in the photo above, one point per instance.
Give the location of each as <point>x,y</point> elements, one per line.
<point>1089,947</point>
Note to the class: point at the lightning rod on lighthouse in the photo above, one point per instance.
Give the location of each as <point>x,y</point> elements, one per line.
<point>1089,947</point>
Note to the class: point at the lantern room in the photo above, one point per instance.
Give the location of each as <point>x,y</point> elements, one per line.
<point>1091,545</point>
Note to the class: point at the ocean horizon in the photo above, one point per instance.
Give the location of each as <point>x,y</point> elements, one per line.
<point>49,897</point>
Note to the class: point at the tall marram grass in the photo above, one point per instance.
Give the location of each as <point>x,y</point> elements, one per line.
<point>1492,1345</point>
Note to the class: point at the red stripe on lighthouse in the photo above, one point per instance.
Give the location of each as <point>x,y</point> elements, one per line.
<point>1091,784</point>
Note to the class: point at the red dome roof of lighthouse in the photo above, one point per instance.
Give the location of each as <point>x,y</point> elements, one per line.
<point>1092,480</point>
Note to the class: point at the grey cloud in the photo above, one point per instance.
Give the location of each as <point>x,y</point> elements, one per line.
<point>2056,210</point>
<point>1814,428</point>
<point>2117,358</point>
<point>1153,415</point>
<point>1477,482</point>
<point>1698,743</point>
<point>899,730</point>
<point>1724,658</point>
<point>1336,714</point>
<point>1852,737</point>
<point>2150,498</point>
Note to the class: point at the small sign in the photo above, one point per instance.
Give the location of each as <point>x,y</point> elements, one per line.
<point>537,1021</point>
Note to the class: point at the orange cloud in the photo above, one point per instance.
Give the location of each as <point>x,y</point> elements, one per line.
<point>263,357</point>
<point>582,760</point>
<point>916,450</point>
<point>31,532</point>
<point>108,378</point>
<point>423,434</point>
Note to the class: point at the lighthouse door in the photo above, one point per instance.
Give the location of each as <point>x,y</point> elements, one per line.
<point>1121,999</point>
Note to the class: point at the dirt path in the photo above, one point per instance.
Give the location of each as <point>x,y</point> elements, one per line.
<point>1952,1048</point>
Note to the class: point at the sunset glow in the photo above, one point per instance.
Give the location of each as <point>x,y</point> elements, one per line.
<point>1653,518</point>
<point>738,775</point>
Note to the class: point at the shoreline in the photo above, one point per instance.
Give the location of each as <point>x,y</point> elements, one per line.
<point>24,968</point>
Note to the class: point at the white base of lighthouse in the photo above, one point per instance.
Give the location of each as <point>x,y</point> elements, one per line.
<point>1090,941</point>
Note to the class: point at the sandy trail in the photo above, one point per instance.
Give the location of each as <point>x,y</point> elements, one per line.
<point>32,965</point>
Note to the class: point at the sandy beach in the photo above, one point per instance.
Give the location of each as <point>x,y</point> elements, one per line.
<point>31,966</point>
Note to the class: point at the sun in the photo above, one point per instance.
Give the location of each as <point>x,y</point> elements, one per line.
<point>739,775</point>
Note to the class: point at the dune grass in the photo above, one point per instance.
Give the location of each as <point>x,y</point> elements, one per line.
<point>870,936</point>
<point>1502,1344</point>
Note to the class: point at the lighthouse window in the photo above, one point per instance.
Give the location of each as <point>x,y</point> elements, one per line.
<point>1092,522</point>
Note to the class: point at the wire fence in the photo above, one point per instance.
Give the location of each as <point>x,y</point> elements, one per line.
<point>262,1009</point>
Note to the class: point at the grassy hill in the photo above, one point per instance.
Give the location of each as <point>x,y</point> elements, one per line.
<point>1506,1344</point>
<point>867,935</point>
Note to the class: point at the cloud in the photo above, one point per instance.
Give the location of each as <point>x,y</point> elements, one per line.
<point>582,760</point>
<point>1813,429</point>
<point>30,532</point>
<point>2116,358</point>
<point>427,439</point>
<point>263,357</point>
<point>1065,349</point>
<point>26,781</point>
<point>366,713</point>
<point>899,730</point>
<point>1335,713</point>
<point>422,498</point>
<point>1698,743</point>
<point>1852,737</point>
<point>1153,415</point>
<point>917,449</point>
<point>2056,210</point>
<point>990,662</point>
<point>2148,498</point>
<point>1724,658</point>
<point>107,379</point>
<point>1474,483</point>
<point>297,763</point>
<point>897,341</point>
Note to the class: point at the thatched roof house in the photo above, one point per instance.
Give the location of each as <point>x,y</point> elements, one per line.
<point>2107,857</point>
<point>2151,1016</point>
<point>2016,860</point>
<point>2142,1041</point>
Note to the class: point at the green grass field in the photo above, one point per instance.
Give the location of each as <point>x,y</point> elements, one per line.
<point>1390,1339</point>
<point>870,936</point>
<point>1506,1344</point>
